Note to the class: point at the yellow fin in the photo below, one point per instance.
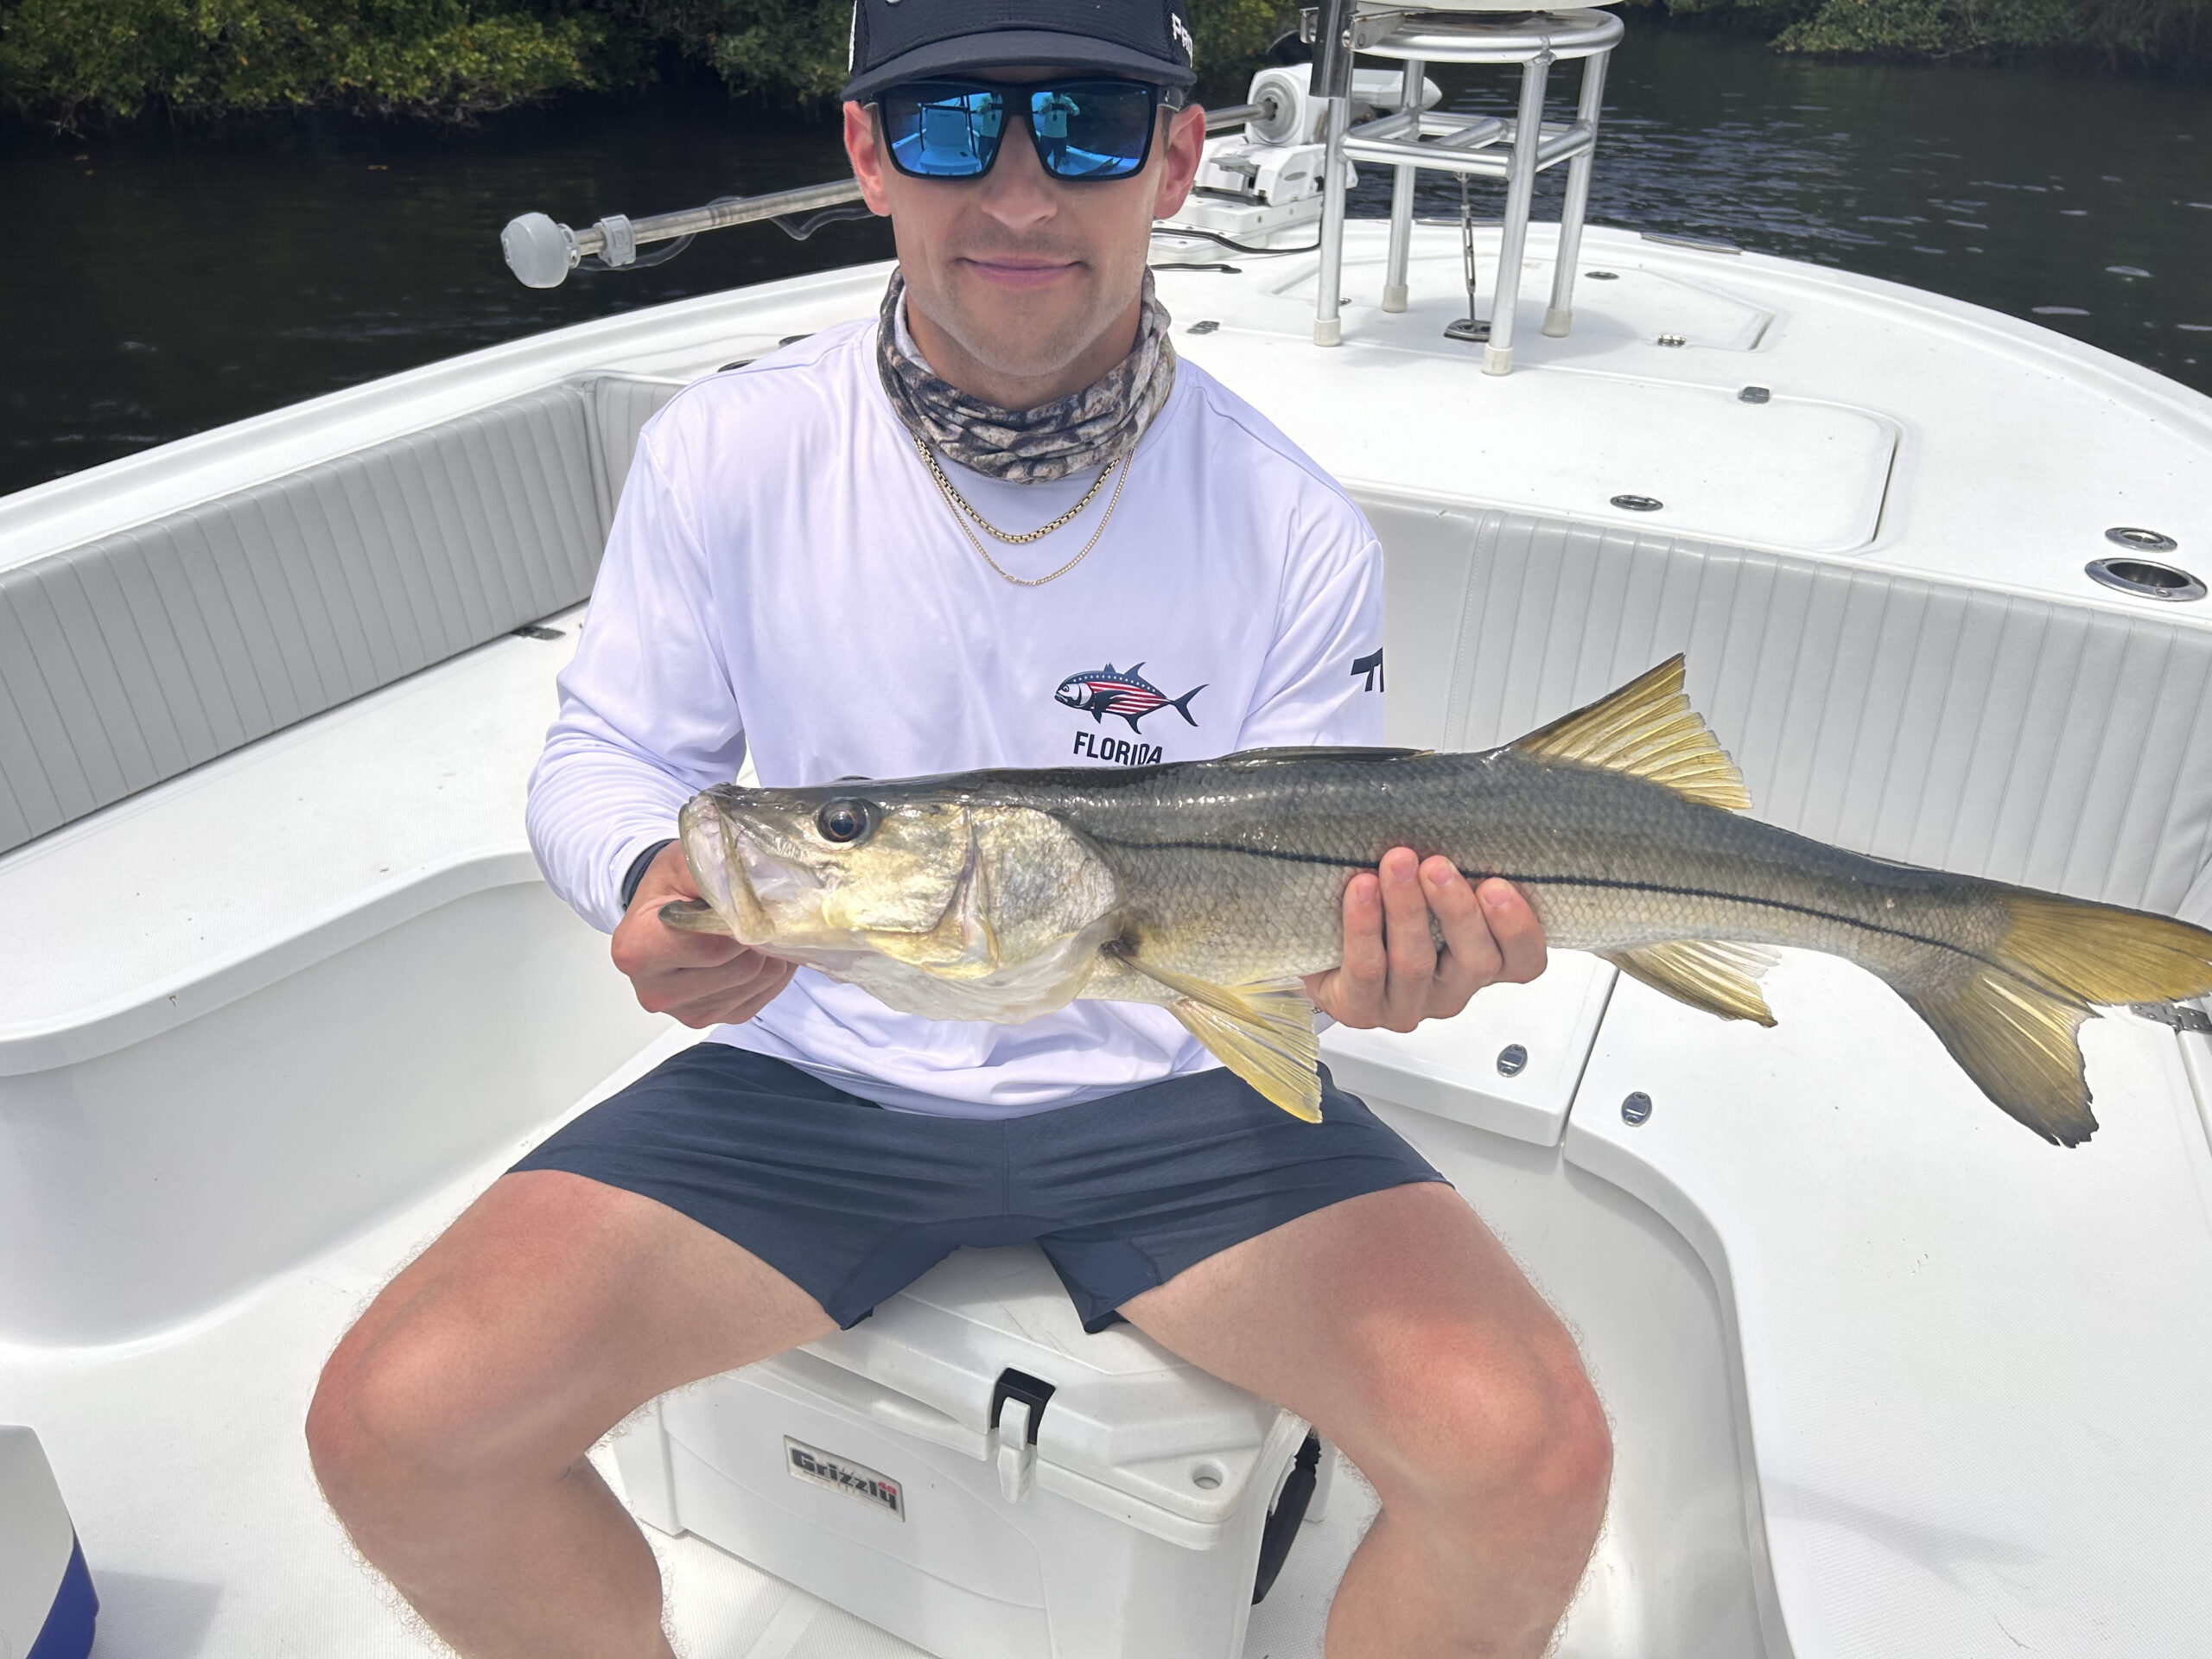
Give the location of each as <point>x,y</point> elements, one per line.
<point>2017,1041</point>
<point>1717,977</point>
<point>2013,1022</point>
<point>2102,953</point>
<point>1263,1033</point>
<point>1648,730</point>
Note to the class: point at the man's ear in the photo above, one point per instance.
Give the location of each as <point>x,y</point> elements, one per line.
<point>866,157</point>
<point>1185,145</point>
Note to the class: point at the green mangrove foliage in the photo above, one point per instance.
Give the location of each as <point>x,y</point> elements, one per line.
<point>2138,31</point>
<point>68,62</point>
<point>63,59</point>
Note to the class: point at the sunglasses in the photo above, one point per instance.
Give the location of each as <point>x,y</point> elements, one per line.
<point>1083,128</point>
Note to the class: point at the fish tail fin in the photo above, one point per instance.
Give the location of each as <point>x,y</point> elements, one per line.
<point>2013,1022</point>
<point>1182,705</point>
<point>2102,953</point>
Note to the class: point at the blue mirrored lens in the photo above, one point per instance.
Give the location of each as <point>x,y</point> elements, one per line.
<point>1092,130</point>
<point>943,132</point>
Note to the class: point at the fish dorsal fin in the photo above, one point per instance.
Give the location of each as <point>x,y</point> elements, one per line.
<point>1263,1033</point>
<point>1719,978</point>
<point>1131,671</point>
<point>1648,730</point>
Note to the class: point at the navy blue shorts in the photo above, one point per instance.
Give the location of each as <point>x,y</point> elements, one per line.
<point>853,1203</point>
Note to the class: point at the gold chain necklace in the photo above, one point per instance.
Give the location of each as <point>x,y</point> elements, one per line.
<point>1038,534</point>
<point>962,512</point>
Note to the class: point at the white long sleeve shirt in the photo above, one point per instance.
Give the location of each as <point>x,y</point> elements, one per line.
<point>783,577</point>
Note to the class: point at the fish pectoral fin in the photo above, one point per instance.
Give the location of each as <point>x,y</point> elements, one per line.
<point>1262,1032</point>
<point>1716,975</point>
<point>692,915</point>
<point>1648,730</point>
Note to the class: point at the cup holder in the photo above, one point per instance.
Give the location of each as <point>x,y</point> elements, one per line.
<point>2146,579</point>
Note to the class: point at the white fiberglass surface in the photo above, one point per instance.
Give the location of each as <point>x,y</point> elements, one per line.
<point>1974,1361</point>
<point>243,869</point>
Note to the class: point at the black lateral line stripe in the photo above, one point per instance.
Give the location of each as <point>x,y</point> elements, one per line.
<point>1611,884</point>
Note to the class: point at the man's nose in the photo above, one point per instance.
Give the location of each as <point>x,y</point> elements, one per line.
<point>1018,192</point>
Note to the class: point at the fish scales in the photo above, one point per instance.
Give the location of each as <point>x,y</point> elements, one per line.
<point>1212,888</point>
<point>1606,859</point>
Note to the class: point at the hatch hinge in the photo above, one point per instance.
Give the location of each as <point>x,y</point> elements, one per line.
<point>1017,1409</point>
<point>2182,1016</point>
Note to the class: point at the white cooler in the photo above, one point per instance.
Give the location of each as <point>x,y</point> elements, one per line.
<point>974,1472</point>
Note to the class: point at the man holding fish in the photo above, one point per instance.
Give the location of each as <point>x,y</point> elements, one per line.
<point>921,544</point>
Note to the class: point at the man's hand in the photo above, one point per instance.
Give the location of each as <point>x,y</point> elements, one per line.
<point>1393,975</point>
<point>703,979</point>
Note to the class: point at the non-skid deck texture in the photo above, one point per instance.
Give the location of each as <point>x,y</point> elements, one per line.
<point>2050,745</point>
<point>131,659</point>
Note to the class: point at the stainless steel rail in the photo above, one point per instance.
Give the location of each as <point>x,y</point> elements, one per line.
<point>542,252</point>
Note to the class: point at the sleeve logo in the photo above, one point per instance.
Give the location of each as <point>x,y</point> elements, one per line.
<point>1371,666</point>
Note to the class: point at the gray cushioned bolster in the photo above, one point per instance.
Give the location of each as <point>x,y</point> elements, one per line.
<point>133,658</point>
<point>2052,745</point>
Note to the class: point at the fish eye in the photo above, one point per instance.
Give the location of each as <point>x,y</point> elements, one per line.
<point>844,821</point>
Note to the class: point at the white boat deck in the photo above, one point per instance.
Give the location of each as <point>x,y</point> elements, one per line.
<point>182,1459</point>
<point>1890,1375</point>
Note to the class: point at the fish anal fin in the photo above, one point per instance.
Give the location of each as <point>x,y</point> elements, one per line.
<point>1717,976</point>
<point>1648,730</point>
<point>1262,1032</point>
<point>2019,1042</point>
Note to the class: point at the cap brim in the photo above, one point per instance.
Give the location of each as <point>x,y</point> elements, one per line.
<point>1009,48</point>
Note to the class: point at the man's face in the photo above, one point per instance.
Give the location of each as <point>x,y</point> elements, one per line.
<point>1026,274</point>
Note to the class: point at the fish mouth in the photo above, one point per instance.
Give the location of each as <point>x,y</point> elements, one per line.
<point>739,876</point>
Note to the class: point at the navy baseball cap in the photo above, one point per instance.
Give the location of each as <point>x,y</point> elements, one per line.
<point>909,40</point>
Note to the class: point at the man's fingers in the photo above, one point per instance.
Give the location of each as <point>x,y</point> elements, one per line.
<point>1359,981</point>
<point>1411,947</point>
<point>1520,936</point>
<point>1472,957</point>
<point>734,1001</point>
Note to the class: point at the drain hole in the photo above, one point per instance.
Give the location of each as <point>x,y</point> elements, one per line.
<point>2145,580</point>
<point>1207,1477</point>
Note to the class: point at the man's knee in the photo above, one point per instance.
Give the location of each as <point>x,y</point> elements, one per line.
<point>398,1412</point>
<point>1526,1433</point>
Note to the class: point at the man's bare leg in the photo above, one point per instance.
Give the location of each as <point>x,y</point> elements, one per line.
<point>450,1427</point>
<point>1397,1325</point>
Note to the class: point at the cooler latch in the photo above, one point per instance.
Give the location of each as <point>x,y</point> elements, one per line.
<point>1017,1409</point>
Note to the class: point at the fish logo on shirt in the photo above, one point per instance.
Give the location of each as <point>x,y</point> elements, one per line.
<point>1124,691</point>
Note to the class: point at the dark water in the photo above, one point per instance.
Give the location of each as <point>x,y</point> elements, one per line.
<point>158,284</point>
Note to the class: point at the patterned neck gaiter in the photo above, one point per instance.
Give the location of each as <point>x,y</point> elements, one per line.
<point>1083,432</point>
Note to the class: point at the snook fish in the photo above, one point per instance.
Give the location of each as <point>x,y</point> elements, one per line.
<point>1210,887</point>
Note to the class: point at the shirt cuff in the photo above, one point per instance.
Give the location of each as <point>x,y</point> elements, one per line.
<point>638,865</point>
